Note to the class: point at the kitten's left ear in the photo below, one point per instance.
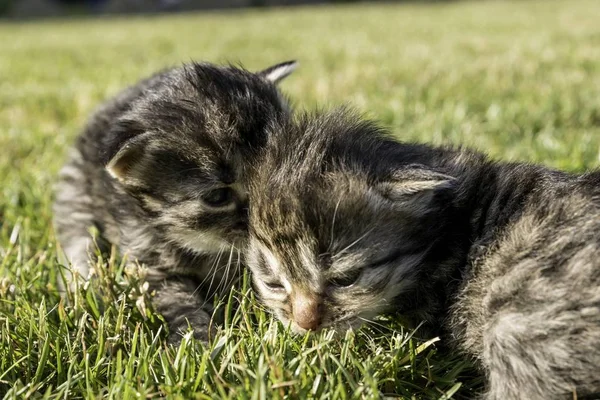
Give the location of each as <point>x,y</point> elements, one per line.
<point>415,184</point>
<point>278,72</point>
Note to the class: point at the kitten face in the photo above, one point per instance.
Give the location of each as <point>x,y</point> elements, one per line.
<point>182,147</point>
<point>345,223</point>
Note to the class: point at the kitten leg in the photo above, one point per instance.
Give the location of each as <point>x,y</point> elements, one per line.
<point>541,355</point>
<point>178,301</point>
<point>72,219</point>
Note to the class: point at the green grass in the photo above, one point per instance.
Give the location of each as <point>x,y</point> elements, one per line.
<point>520,80</point>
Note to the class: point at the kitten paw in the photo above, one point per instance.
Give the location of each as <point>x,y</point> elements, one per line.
<point>202,329</point>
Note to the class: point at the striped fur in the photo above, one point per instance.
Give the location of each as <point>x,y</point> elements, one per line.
<point>500,258</point>
<point>160,172</point>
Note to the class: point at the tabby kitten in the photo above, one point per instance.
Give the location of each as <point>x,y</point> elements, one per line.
<point>160,172</point>
<point>502,258</point>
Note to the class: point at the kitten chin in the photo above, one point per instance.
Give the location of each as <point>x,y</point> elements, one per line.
<point>160,171</point>
<point>500,258</point>
<point>206,242</point>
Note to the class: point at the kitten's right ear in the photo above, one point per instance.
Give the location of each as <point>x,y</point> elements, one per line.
<point>125,155</point>
<point>278,72</point>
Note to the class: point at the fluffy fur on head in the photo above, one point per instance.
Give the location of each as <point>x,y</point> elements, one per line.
<point>343,219</point>
<point>181,147</point>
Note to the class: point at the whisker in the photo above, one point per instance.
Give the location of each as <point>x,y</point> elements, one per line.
<point>214,272</point>
<point>226,278</point>
<point>333,221</point>
<point>214,263</point>
<point>373,322</point>
<point>238,272</point>
<point>355,242</point>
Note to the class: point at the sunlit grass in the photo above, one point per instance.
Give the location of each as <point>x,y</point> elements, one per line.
<point>518,80</point>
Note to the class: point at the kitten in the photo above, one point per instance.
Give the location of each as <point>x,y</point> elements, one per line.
<point>346,223</point>
<point>160,172</point>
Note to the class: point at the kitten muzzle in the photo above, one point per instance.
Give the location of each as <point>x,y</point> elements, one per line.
<point>306,311</point>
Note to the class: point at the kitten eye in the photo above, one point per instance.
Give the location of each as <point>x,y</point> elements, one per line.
<point>346,280</point>
<point>218,197</point>
<point>274,286</point>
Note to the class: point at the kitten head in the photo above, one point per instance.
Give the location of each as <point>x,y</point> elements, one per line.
<point>180,149</point>
<point>341,221</point>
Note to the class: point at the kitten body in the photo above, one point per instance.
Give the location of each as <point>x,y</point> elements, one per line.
<point>500,258</point>
<point>159,171</point>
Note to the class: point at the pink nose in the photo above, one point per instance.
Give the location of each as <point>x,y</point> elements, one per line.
<point>306,310</point>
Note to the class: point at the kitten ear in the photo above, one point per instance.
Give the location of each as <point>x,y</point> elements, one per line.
<point>122,165</point>
<point>415,183</point>
<point>278,72</point>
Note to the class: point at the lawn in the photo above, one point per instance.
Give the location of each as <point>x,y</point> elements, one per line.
<point>519,80</point>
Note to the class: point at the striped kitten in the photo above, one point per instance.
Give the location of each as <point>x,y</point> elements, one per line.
<point>160,172</point>
<point>502,258</point>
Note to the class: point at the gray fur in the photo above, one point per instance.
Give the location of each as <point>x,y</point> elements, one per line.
<point>160,171</point>
<point>500,258</point>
